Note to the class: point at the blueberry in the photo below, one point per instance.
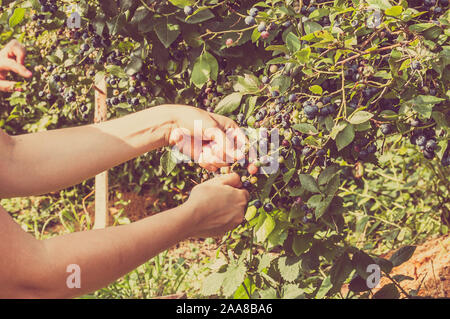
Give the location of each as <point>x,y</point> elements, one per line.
<point>135,101</point>
<point>85,47</point>
<point>188,10</point>
<point>275,93</point>
<point>321,153</point>
<point>131,90</point>
<point>444,3</point>
<point>41,93</point>
<point>115,101</point>
<point>249,20</point>
<point>363,153</point>
<point>262,27</point>
<point>386,128</point>
<point>421,140</point>
<point>56,78</point>
<point>253,12</point>
<point>371,149</point>
<point>268,207</point>
<point>292,98</point>
<point>428,154</point>
<point>246,184</point>
<point>415,123</point>
<point>265,79</point>
<point>415,65</point>
<point>326,100</point>
<point>306,151</point>
<point>430,145</point>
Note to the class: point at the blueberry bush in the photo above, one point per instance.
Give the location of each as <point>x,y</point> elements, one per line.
<point>357,92</point>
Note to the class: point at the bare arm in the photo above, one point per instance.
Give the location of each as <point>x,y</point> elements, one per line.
<point>48,161</point>
<point>30,268</point>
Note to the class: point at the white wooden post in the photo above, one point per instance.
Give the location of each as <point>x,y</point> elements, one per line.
<point>101,180</point>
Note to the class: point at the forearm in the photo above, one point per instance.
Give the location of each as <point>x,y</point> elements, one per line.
<point>102,255</point>
<point>52,160</point>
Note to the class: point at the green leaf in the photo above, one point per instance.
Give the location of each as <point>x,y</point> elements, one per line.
<point>200,16</point>
<point>292,291</point>
<point>379,4</point>
<point>423,104</point>
<point>345,137</point>
<point>234,277</point>
<point>167,32</point>
<point>360,261</point>
<point>305,128</point>
<point>359,117</point>
<point>394,11</point>
<point>182,3</point>
<point>167,162</point>
<point>289,267</point>
<point>266,228</point>
<point>323,206</point>
<point>281,82</point>
<point>212,284</point>
<point>134,66</point>
<point>316,89</point>
<point>324,288</point>
<point>358,284</point>
<point>340,270</point>
<point>385,265</point>
<point>117,71</point>
<point>402,255</point>
<point>250,213</point>
<point>328,174</point>
<point>17,17</point>
<point>301,243</point>
<point>309,183</point>
<point>419,27</point>
<point>388,291</point>
<point>292,42</point>
<point>303,55</point>
<point>230,103</point>
<point>205,68</point>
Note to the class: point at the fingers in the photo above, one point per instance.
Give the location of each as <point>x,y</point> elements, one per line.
<point>11,65</point>
<point>8,86</point>
<point>17,50</point>
<point>232,179</point>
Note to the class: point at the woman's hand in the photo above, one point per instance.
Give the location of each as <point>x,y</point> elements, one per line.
<point>217,206</point>
<point>210,139</point>
<point>12,58</point>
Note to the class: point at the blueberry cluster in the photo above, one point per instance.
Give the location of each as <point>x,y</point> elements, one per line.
<point>425,139</point>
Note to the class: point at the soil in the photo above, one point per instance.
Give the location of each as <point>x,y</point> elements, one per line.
<point>430,268</point>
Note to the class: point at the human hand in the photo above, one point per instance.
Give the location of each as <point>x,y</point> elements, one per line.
<point>12,58</point>
<point>210,139</point>
<point>217,205</point>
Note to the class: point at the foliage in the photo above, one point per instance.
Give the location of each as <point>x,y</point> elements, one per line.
<point>357,90</point>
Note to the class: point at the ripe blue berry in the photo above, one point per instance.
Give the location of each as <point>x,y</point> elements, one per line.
<point>249,20</point>
<point>253,12</point>
<point>188,10</point>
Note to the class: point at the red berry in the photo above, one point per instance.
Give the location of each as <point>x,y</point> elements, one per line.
<point>264,35</point>
<point>252,169</point>
<point>229,42</point>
